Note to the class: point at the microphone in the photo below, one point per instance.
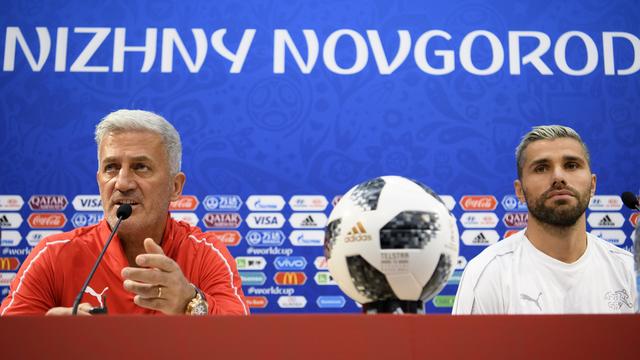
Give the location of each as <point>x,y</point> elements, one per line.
<point>123,213</point>
<point>630,200</point>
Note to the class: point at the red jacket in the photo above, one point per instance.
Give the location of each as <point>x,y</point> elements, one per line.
<point>57,267</point>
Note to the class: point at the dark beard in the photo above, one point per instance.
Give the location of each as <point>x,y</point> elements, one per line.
<point>555,216</point>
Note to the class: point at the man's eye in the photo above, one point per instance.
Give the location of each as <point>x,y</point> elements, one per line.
<point>141,167</point>
<point>572,165</point>
<point>540,168</point>
<point>110,168</point>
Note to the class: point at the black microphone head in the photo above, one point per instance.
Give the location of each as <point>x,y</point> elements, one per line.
<point>124,211</point>
<point>630,200</point>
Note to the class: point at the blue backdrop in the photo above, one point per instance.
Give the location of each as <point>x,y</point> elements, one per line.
<point>310,98</point>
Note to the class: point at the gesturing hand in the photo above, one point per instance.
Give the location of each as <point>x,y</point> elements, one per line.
<point>158,283</point>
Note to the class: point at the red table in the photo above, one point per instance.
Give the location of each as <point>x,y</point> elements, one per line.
<point>323,337</point>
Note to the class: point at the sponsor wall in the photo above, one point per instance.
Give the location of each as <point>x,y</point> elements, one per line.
<point>283,107</point>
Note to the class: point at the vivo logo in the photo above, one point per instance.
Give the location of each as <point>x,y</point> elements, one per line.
<point>290,263</point>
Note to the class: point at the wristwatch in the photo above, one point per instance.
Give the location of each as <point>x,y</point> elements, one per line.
<point>198,305</point>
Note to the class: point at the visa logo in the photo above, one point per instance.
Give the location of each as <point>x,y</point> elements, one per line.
<point>87,203</point>
<point>265,220</point>
<point>290,263</point>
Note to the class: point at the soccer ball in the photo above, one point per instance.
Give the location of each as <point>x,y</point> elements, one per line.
<point>391,238</point>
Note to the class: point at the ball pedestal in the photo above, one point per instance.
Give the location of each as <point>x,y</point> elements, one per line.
<point>393,306</point>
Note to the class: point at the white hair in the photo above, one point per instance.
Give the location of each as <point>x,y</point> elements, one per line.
<point>140,120</point>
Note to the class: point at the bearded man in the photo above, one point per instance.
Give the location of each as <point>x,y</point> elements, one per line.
<point>553,266</point>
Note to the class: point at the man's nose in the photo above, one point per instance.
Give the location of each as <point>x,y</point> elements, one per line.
<point>559,176</point>
<point>125,180</point>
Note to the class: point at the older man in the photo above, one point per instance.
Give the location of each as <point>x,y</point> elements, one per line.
<point>154,264</point>
<point>554,265</point>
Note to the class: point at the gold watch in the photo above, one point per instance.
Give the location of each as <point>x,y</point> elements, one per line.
<point>198,305</point>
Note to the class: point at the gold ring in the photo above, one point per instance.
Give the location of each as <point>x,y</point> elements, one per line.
<point>159,292</point>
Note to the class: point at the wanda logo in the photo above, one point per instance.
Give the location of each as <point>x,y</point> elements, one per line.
<point>184,203</point>
<point>478,202</point>
<point>47,220</point>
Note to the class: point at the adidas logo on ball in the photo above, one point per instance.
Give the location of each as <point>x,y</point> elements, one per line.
<point>357,233</point>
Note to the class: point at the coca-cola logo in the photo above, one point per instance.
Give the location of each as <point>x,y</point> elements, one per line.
<point>48,202</point>
<point>229,238</point>
<point>516,220</point>
<point>47,220</point>
<point>184,203</point>
<point>478,202</point>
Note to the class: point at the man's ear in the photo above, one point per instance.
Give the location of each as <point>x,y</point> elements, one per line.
<point>178,185</point>
<point>517,186</point>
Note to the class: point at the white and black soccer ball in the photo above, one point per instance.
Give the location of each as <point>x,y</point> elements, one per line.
<point>391,238</point>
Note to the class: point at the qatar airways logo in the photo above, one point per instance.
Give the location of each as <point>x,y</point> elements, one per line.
<point>305,51</point>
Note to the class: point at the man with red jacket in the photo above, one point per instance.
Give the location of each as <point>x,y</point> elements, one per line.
<point>154,264</point>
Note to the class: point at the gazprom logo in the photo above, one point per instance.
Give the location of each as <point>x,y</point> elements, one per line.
<point>307,237</point>
<point>265,238</point>
<point>265,202</point>
<point>289,263</point>
<point>334,302</point>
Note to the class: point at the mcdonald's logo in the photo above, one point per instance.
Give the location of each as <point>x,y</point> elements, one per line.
<point>9,263</point>
<point>290,278</point>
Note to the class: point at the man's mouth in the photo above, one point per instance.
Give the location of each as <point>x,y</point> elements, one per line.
<point>130,202</point>
<point>560,194</point>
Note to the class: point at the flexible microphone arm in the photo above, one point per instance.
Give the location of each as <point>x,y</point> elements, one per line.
<point>124,211</point>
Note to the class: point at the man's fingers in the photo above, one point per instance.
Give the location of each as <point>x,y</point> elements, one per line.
<point>154,303</point>
<point>148,276</point>
<point>151,247</point>
<point>83,310</point>
<point>142,289</point>
<point>157,261</point>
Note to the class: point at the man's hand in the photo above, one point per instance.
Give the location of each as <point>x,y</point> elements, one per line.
<point>159,283</point>
<point>83,310</point>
